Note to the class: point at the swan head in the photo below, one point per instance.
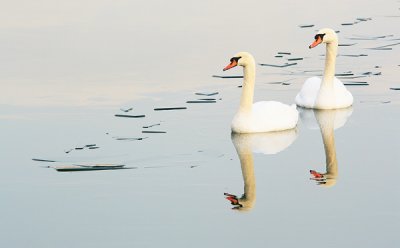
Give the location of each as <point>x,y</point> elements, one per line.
<point>242,59</point>
<point>325,35</point>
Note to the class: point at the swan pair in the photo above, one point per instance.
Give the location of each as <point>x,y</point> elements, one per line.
<point>270,116</point>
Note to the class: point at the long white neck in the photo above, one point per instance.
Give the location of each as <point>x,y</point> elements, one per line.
<point>330,61</point>
<point>246,101</point>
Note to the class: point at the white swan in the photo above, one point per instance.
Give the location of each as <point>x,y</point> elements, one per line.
<point>265,116</point>
<point>328,93</point>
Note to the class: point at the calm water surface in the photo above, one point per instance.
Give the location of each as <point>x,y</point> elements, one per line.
<point>68,69</point>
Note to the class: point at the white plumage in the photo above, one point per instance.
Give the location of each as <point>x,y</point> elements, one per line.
<point>335,97</point>
<point>328,92</point>
<point>264,116</point>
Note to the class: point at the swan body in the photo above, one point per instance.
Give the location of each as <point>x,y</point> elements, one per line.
<point>313,96</point>
<point>328,92</point>
<point>264,116</point>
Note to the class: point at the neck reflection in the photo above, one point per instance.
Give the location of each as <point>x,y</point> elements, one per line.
<point>328,121</point>
<point>246,145</point>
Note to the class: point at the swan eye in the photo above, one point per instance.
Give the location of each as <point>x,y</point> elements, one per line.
<point>236,59</point>
<point>319,36</point>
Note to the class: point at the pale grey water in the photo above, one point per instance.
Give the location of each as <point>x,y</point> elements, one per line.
<point>67,69</point>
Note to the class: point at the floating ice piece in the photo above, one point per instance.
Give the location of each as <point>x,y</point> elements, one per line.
<point>349,83</point>
<point>126,109</point>
<point>362,37</point>
<point>384,101</point>
<point>43,160</point>
<point>386,47</point>
<point>364,19</point>
<point>352,77</point>
<point>353,55</point>
<point>202,101</point>
<point>207,94</point>
<point>170,108</point>
<point>343,74</point>
<point>208,99</point>
<point>284,53</point>
<point>89,167</point>
<point>217,76</point>
<point>307,26</point>
<point>153,125</point>
<point>129,139</point>
<point>349,44</point>
<point>130,116</point>
<point>294,59</point>
<point>382,48</point>
<point>145,131</point>
<point>280,66</point>
<point>372,73</point>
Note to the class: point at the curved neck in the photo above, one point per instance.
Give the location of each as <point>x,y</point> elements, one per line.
<point>330,61</point>
<point>246,100</point>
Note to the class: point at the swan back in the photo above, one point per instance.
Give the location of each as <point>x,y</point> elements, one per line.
<point>265,116</point>
<point>312,96</point>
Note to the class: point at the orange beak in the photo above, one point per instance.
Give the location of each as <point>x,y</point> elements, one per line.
<point>316,42</point>
<point>231,65</point>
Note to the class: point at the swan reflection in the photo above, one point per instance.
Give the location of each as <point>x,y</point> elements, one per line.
<point>328,121</point>
<point>246,145</point>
